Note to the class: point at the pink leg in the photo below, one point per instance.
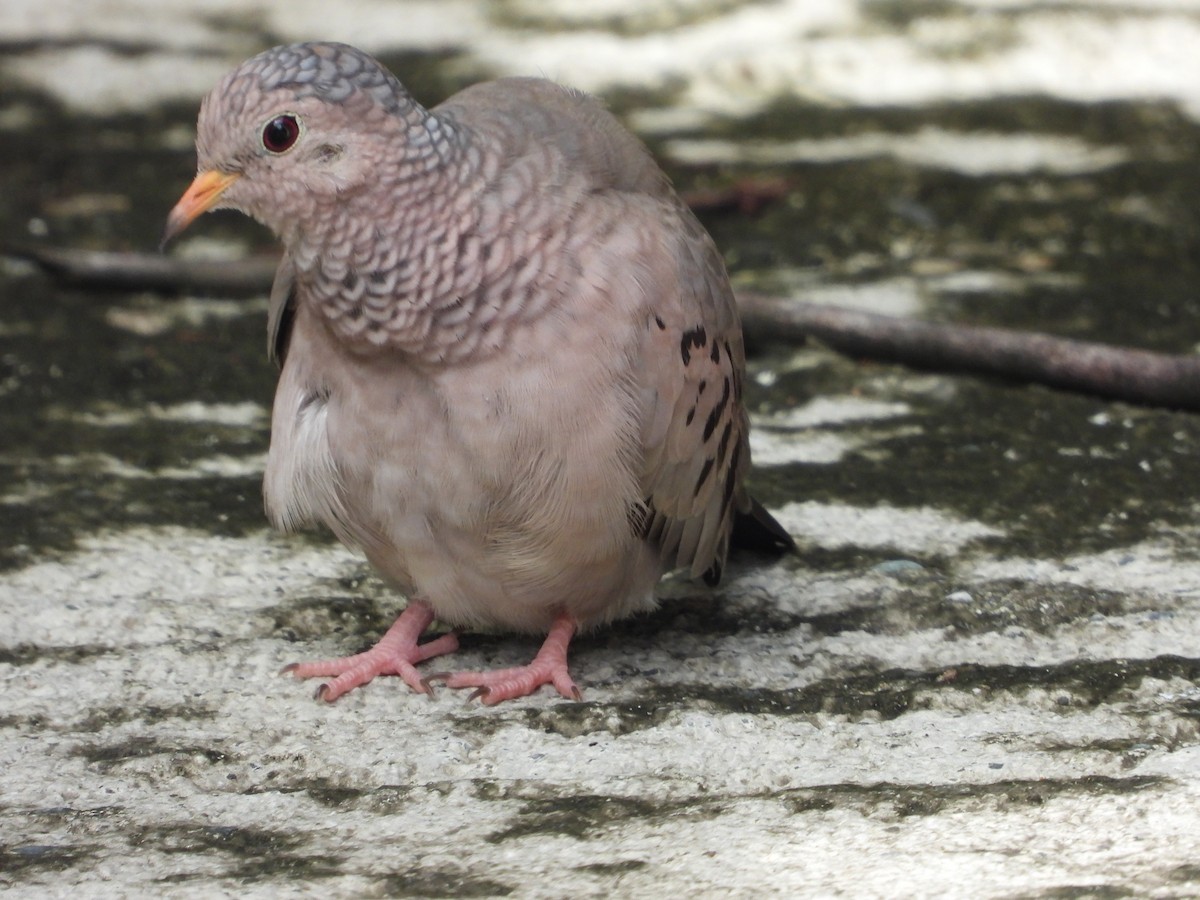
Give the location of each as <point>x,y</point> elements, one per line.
<point>548,667</point>
<point>397,653</point>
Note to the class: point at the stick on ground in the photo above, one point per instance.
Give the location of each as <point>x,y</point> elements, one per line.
<point>1121,373</point>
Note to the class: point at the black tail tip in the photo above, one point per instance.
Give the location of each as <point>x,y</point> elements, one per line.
<point>757,530</point>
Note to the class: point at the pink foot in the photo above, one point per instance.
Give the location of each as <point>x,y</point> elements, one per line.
<point>397,653</point>
<point>548,667</point>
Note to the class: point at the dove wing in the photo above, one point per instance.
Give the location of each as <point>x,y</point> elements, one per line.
<point>690,363</point>
<point>281,307</point>
<point>695,432</point>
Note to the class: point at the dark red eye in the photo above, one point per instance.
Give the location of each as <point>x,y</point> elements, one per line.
<point>280,133</point>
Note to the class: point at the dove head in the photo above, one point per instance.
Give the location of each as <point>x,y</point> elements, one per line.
<point>296,127</point>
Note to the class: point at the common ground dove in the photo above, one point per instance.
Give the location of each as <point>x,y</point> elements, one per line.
<point>511,360</point>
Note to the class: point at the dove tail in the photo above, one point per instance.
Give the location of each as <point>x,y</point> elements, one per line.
<point>756,530</point>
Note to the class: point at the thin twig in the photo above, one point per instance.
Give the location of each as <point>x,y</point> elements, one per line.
<point>1138,376</point>
<point>1121,373</point>
<point>149,271</point>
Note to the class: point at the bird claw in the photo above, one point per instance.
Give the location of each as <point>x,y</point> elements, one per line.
<point>480,693</point>
<point>397,653</point>
<point>508,684</point>
<point>427,683</point>
<point>548,667</point>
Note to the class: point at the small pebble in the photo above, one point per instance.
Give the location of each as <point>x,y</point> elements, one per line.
<point>898,567</point>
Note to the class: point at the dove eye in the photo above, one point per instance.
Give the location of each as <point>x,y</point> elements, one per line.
<point>281,133</point>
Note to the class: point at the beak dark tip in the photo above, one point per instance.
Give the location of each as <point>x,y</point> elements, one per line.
<point>170,231</point>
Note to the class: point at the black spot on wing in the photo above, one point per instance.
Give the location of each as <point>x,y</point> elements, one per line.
<point>723,447</point>
<point>705,469</point>
<point>695,337</point>
<point>717,411</point>
<point>731,477</point>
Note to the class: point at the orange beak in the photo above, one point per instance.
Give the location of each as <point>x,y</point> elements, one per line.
<point>202,196</point>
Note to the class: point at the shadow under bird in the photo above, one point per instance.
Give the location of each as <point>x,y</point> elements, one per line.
<point>511,362</point>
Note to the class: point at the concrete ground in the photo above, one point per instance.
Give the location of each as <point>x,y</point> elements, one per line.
<point>979,678</point>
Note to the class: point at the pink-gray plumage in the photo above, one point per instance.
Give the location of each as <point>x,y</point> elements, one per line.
<point>511,358</point>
